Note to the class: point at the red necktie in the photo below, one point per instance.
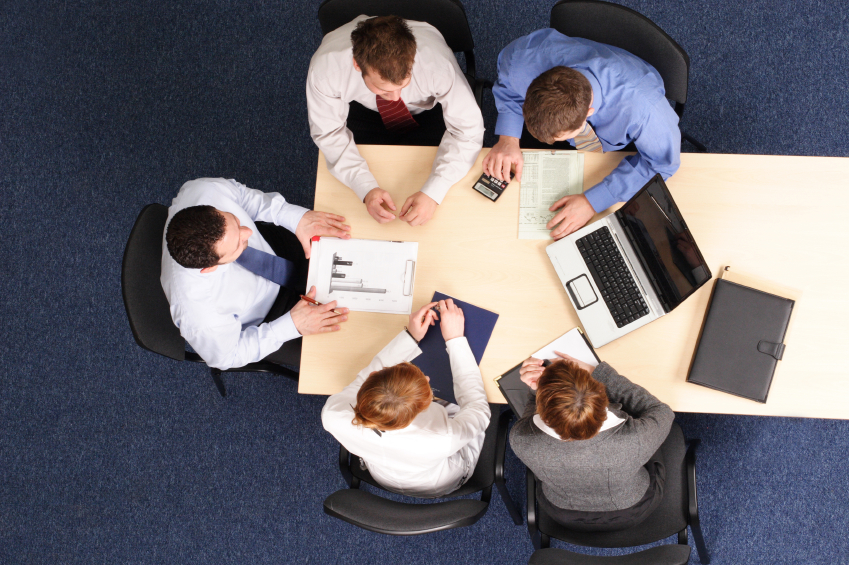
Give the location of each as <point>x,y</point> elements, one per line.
<point>395,115</point>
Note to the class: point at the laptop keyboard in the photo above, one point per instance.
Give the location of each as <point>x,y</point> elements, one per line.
<point>611,276</point>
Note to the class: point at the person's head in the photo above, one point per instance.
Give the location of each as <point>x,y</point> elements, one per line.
<point>384,51</point>
<point>201,237</point>
<point>570,401</point>
<point>392,397</point>
<point>557,104</point>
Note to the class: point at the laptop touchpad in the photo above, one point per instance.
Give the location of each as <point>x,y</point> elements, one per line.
<point>582,292</point>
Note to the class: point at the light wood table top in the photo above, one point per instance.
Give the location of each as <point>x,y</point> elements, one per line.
<point>766,216</point>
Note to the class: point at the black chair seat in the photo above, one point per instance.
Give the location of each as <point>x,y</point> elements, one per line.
<point>385,516</point>
<point>669,517</point>
<point>673,554</point>
<point>678,510</point>
<point>147,307</point>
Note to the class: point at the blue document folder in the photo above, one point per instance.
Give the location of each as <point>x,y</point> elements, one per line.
<point>434,360</point>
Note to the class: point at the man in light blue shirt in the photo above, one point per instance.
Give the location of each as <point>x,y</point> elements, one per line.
<point>556,85</point>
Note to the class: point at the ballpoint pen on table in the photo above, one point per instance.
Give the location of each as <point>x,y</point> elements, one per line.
<point>317,303</point>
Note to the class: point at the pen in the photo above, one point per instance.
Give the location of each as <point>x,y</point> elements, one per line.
<point>317,303</point>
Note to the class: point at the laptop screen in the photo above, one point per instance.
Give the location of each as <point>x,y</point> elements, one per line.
<point>664,245</point>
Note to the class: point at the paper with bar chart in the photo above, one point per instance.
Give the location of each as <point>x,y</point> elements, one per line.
<point>364,275</point>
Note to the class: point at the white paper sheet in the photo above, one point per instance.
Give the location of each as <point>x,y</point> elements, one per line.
<point>571,343</point>
<point>364,275</point>
<point>547,176</point>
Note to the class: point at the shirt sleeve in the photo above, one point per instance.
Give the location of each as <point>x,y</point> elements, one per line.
<point>327,117</point>
<point>461,144</point>
<point>508,100</point>
<point>223,344</point>
<point>474,415</point>
<point>652,419</point>
<point>267,206</point>
<point>658,142</point>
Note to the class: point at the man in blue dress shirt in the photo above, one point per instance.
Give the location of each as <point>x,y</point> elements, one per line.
<point>595,96</point>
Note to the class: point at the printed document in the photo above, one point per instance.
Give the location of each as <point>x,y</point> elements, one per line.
<point>364,275</point>
<point>547,177</point>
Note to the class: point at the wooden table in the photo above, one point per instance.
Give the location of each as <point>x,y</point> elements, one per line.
<point>768,216</point>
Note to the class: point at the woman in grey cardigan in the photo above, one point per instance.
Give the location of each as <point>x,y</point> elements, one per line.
<point>592,439</point>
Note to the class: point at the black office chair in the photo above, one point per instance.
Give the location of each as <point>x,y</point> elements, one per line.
<point>629,30</point>
<point>147,308</point>
<point>678,509</point>
<point>447,16</point>
<point>384,516</point>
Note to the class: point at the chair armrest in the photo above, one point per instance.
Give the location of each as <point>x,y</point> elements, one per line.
<point>501,443</point>
<point>692,497</point>
<point>345,467</point>
<point>531,491</point>
<point>693,502</point>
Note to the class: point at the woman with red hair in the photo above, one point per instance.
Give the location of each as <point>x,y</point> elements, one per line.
<point>593,439</point>
<point>387,416</point>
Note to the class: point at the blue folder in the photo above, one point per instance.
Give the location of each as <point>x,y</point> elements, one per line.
<point>434,361</point>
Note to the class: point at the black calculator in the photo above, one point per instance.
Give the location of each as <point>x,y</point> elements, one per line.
<point>491,187</point>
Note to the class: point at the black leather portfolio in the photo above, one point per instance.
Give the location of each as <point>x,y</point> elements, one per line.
<point>742,340</point>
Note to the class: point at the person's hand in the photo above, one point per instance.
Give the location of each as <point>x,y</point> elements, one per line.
<point>531,371</point>
<point>377,201</point>
<point>418,209</point>
<point>320,223</point>
<point>421,320</point>
<point>310,319</point>
<point>453,322</point>
<point>502,157</point>
<point>575,212</point>
<point>585,366</point>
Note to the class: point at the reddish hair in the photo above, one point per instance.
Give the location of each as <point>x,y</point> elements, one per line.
<point>557,101</point>
<point>390,398</point>
<point>385,45</point>
<point>571,401</point>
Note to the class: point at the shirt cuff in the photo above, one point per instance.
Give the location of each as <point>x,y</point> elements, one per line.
<point>509,124</point>
<point>600,198</point>
<point>459,345</point>
<point>284,328</point>
<point>290,217</point>
<point>436,188</point>
<point>363,184</point>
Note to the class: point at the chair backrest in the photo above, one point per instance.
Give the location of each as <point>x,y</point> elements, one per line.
<point>629,30</point>
<point>448,16</point>
<point>147,308</point>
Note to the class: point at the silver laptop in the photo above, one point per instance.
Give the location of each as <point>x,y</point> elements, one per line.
<point>631,267</point>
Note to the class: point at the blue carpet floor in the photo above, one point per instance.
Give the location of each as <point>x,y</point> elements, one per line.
<point>110,454</point>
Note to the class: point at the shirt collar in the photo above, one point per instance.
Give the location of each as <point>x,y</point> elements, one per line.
<point>596,89</point>
<point>611,421</point>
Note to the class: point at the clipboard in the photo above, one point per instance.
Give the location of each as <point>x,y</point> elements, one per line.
<point>516,392</point>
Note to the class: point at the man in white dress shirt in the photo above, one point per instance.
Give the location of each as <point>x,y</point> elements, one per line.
<point>229,315</point>
<point>398,69</point>
<point>387,416</point>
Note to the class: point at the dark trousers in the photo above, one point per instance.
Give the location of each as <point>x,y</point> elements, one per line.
<point>286,245</point>
<point>368,129</point>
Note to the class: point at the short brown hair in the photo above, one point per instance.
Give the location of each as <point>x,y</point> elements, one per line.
<point>385,45</point>
<point>557,101</point>
<point>193,234</point>
<point>571,401</point>
<point>390,398</point>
